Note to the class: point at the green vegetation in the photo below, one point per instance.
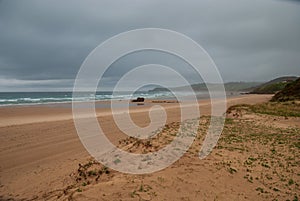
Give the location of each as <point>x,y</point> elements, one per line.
<point>272,151</point>
<point>284,103</point>
<point>290,92</point>
<point>229,86</point>
<point>270,88</point>
<point>261,190</point>
<point>286,109</point>
<point>232,170</point>
<point>273,86</point>
<point>291,182</point>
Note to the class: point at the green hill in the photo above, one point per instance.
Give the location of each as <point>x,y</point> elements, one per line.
<point>240,86</point>
<point>229,86</point>
<point>273,86</point>
<point>290,92</point>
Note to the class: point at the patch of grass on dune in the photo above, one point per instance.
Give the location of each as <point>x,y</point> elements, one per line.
<point>287,109</point>
<point>291,109</point>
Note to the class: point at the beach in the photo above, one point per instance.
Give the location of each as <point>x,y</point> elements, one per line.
<point>40,150</point>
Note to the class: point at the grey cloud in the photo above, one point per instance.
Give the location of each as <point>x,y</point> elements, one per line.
<point>48,40</point>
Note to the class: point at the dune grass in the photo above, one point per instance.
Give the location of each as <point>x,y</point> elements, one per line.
<point>286,109</point>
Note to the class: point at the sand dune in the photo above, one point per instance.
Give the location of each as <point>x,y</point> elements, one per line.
<point>40,152</point>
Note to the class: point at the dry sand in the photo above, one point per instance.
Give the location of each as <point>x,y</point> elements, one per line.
<point>40,152</point>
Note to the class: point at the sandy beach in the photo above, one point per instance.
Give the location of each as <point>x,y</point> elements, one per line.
<point>40,151</point>
<point>149,100</point>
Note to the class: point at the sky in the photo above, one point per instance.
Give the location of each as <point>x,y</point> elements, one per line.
<point>44,43</point>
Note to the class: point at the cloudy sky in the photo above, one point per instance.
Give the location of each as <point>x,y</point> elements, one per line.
<point>43,43</point>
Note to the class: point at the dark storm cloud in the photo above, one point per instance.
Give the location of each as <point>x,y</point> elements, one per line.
<point>43,43</point>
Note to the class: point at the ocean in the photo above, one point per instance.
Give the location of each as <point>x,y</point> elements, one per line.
<point>35,98</point>
<point>32,98</point>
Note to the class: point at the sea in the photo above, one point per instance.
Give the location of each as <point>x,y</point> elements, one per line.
<point>33,98</point>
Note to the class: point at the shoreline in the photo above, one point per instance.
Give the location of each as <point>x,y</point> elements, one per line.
<point>199,97</point>
<point>19,115</point>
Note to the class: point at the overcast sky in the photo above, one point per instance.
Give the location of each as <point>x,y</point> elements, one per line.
<point>43,43</point>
